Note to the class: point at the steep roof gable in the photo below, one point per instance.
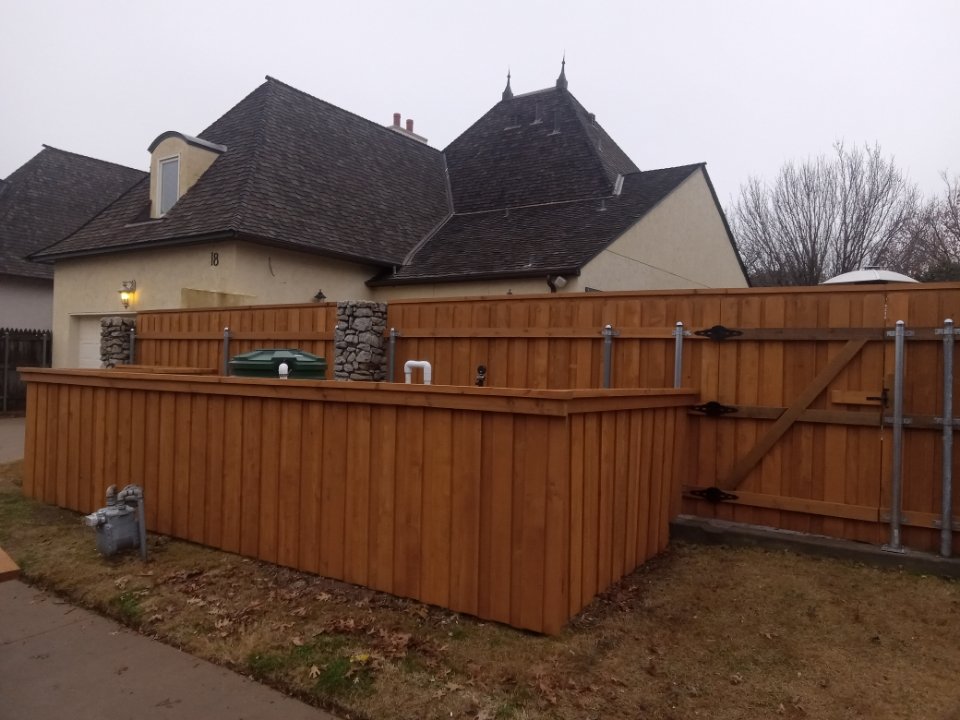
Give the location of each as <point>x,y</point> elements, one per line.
<point>297,172</point>
<point>531,149</point>
<point>50,196</point>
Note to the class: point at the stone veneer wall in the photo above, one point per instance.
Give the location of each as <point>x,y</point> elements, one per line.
<point>360,344</point>
<point>115,340</point>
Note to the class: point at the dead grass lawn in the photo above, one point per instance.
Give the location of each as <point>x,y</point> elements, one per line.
<point>699,632</point>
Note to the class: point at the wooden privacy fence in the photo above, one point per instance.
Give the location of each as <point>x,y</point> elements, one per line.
<point>195,338</point>
<point>795,433</point>
<point>802,386</point>
<point>18,348</point>
<point>513,505</point>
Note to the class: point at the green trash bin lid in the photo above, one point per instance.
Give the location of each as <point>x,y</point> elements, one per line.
<point>266,363</point>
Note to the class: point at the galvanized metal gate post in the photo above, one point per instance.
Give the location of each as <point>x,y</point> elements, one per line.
<point>608,335</point>
<point>392,354</point>
<point>226,351</point>
<point>132,356</point>
<point>678,355</point>
<point>946,498</point>
<point>896,480</point>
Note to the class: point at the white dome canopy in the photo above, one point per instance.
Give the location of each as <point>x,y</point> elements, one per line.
<point>869,275</point>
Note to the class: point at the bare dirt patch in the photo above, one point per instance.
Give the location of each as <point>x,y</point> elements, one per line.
<point>699,632</point>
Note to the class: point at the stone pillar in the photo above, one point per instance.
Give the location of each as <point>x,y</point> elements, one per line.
<point>360,344</point>
<point>115,340</point>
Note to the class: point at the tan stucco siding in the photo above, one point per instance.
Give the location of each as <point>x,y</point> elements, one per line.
<point>520,286</point>
<point>26,303</point>
<point>194,162</point>
<point>181,276</point>
<point>680,243</point>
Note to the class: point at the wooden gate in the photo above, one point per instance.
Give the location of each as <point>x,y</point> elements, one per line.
<point>797,435</point>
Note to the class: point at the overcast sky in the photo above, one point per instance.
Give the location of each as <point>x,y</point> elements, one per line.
<point>741,85</point>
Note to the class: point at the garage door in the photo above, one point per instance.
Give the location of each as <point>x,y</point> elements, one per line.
<point>88,341</point>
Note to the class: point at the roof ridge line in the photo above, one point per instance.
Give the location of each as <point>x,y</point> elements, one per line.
<point>594,151</point>
<point>451,211</point>
<point>252,169</point>
<point>90,157</point>
<point>384,128</point>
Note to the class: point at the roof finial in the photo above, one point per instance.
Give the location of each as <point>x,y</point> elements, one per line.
<point>562,80</point>
<point>507,92</point>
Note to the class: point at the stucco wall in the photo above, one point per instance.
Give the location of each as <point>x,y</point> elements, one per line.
<point>521,286</point>
<point>186,277</point>
<point>680,243</point>
<point>194,162</point>
<point>26,303</point>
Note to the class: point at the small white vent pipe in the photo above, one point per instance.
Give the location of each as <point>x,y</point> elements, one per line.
<point>424,365</point>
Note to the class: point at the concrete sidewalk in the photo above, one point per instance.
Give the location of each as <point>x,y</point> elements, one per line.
<point>59,661</point>
<point>11,439</point>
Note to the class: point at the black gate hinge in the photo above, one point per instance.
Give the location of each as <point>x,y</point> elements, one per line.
<point>712,494</point>
<point>718,332</point>
<point>713,408</point>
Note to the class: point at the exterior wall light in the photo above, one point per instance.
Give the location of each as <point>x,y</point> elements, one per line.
<point>127,289</point>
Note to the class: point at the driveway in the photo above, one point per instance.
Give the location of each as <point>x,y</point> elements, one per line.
<point>11,439</point>
<point>58,661</point>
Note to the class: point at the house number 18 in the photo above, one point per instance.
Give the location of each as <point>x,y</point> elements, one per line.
<point>214,258</point>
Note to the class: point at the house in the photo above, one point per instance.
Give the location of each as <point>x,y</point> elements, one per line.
<point>48,198</point>
<point>287,198</point>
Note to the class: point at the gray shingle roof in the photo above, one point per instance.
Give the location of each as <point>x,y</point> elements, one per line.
<point>536,239</point>
<point>298,172</point>
<point>519,193</point>
<point>50,196</point>
<point>534,148</point>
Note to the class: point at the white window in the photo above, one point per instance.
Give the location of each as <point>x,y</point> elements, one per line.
<point>169,186</point>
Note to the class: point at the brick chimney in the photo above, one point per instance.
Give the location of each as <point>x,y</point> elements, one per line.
<point>408,130</point>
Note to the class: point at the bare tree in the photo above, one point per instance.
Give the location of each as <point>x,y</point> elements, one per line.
<point>824,217</point>
<point>937,246</point>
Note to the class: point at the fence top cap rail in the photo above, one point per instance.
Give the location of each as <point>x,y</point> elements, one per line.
<point>523,400</point>
<point>623,294</point>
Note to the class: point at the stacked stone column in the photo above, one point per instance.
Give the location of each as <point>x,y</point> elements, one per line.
<point>359,339</point>
<point>115,340</point>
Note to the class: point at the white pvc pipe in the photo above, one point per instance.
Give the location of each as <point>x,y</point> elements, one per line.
<point>424,365</point>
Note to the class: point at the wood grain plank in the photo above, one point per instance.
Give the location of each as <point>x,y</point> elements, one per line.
<point>290,477</point>
<point>311,449</point>
<point>249,532</point>
<point>357,496</point>
<point>235,459</point>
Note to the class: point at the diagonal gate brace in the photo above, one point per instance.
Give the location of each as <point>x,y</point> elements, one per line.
<point>744,465</point>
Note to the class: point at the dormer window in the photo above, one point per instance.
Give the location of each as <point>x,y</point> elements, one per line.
<point>169,189</point>
<point>177,162</point>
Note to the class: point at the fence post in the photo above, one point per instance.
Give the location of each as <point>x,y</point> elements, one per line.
<point>608,335</point>
<point>132,355</point>
<point>678,355</point>
<point>6,367</point>
<point>392,354</point>
<point>896,495</point>
<point>946,501</point>
<point>44,345</point>
<point>226,351</point>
